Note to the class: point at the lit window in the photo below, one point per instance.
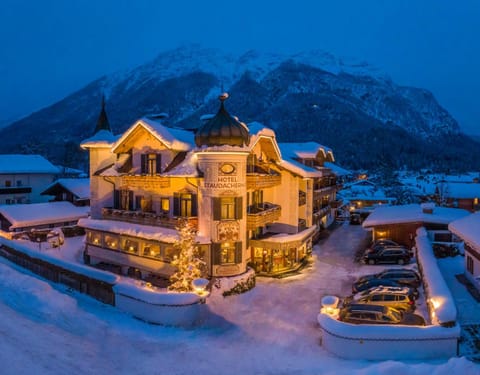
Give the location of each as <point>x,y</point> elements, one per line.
<point>151,250</point>
<point>130,246</point>
<point>165,205</point>
<point>228,208</point>
<point>111,242</point>
<point>227,253</point>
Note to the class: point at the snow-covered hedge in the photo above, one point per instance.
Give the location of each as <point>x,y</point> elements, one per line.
<point>438,295</point>
<point>387,342</point>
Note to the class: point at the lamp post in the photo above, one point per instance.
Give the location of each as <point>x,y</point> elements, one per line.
<point>200,288</point>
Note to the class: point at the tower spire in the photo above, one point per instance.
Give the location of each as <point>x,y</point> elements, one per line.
<point>102,122</point>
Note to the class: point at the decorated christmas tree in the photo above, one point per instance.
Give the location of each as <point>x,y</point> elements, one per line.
<point>188,262</point>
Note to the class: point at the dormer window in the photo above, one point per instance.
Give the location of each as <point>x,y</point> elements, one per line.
<point>151,164</point>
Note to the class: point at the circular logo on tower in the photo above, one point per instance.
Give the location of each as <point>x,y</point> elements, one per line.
<point>227,168</point>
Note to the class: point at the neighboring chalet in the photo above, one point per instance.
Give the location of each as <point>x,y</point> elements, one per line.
<point>253,202</point>
<point>364,194</point>
<point>24,177</point>
<point>400,223</point>
<point>19,218</point>
<point>467,228</point>
<point>458,194</point>
<point>73,190</point>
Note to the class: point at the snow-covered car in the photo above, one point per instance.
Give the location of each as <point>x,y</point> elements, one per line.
<point>360,286</point>
<point>400,298</point>
<point>376,314</point>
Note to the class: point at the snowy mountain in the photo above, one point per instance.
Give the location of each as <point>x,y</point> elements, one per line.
<point>348,105</point>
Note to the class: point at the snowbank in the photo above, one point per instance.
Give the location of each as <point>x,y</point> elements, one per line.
<point>440,300</point>
<point>159,306</point>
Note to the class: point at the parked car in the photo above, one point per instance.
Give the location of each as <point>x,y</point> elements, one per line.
<point>388,254</point>
<point>400,298</point>
<point>355,219</point>
<point>400,275</point>
<point>376,314</point>
<point>360,286</point>
<point>441,250</point>
<point>386,242</point>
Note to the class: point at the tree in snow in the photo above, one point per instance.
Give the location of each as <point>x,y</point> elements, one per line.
<point>188,262</point>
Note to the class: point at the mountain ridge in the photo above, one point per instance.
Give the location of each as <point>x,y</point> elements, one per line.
<point>306,96</point>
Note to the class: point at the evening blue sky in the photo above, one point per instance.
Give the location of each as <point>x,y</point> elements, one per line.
<point>51,48</point>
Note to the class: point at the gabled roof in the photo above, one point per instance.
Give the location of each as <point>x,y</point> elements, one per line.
<point>27,215</point>
<point>79,187</point>
<point>290,154</point>
<point>173,138</point>
<point>26,164</point>
<point>467,229</point>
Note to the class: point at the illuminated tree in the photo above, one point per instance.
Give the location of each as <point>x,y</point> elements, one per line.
<point>188,262</point>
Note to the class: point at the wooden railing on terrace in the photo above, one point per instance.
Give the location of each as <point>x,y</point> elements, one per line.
<point>145,218</point>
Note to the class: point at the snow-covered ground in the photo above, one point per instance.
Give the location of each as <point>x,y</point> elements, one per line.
<point>45,329</point>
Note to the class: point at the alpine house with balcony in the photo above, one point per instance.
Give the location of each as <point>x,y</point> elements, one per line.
<point>255,203</point>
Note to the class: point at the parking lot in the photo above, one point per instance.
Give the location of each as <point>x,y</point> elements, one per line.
<point>339,255</point>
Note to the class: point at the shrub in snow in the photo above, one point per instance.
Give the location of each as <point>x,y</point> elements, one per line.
<point>188,263</point>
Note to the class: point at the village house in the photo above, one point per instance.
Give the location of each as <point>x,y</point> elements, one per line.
<point>467,228</point>
<point>400,223</point>
<point>24,177</point>
<point>254,203</point>
<point>73,190</point>
<point>458,194</point>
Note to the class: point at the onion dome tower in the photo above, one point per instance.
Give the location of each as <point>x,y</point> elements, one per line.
<point>222,129</point>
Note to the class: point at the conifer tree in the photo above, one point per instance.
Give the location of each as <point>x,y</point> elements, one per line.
<point>188,263</point>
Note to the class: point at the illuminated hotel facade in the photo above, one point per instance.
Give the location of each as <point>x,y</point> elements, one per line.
<point>255,203</point>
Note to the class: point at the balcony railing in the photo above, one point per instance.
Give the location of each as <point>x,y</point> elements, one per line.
<point>256,181</point>
<point>16,190</point>
<point>146,181</point>
<point>263,215</point>
<point>145,218</point>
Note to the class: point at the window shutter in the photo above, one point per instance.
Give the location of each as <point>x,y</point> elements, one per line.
<point>194,205</point>
<point>216,253</point>
<point>143,162</point>
<point>159,164</point>
<point>239,208</point>
<point>130,200</point>
<point>116,199</point>
<point>217,208</point>
<point>238,252</point>
<point>176,205</point>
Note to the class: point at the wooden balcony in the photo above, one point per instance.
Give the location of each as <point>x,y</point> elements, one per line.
<point>257,181</point>
<point>149,182</point>
<point>259,217</point>
<point>145,218</point>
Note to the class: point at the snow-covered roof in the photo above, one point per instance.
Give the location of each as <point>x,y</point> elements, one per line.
<point>173,138</point>
<point>136,230</point>
<point>80,187</point>
<point>27,215</point>
<point>292,151</point>
<point>467,228</point>
<point>305,150</point>
<point>412,213</point>
<point>17,164</point>
<point>339,171</point>
<point>102,138</point>
<point>186,168</point>
<point>460,189</point>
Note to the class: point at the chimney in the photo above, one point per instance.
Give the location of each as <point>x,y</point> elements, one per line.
<point>427,208</point>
